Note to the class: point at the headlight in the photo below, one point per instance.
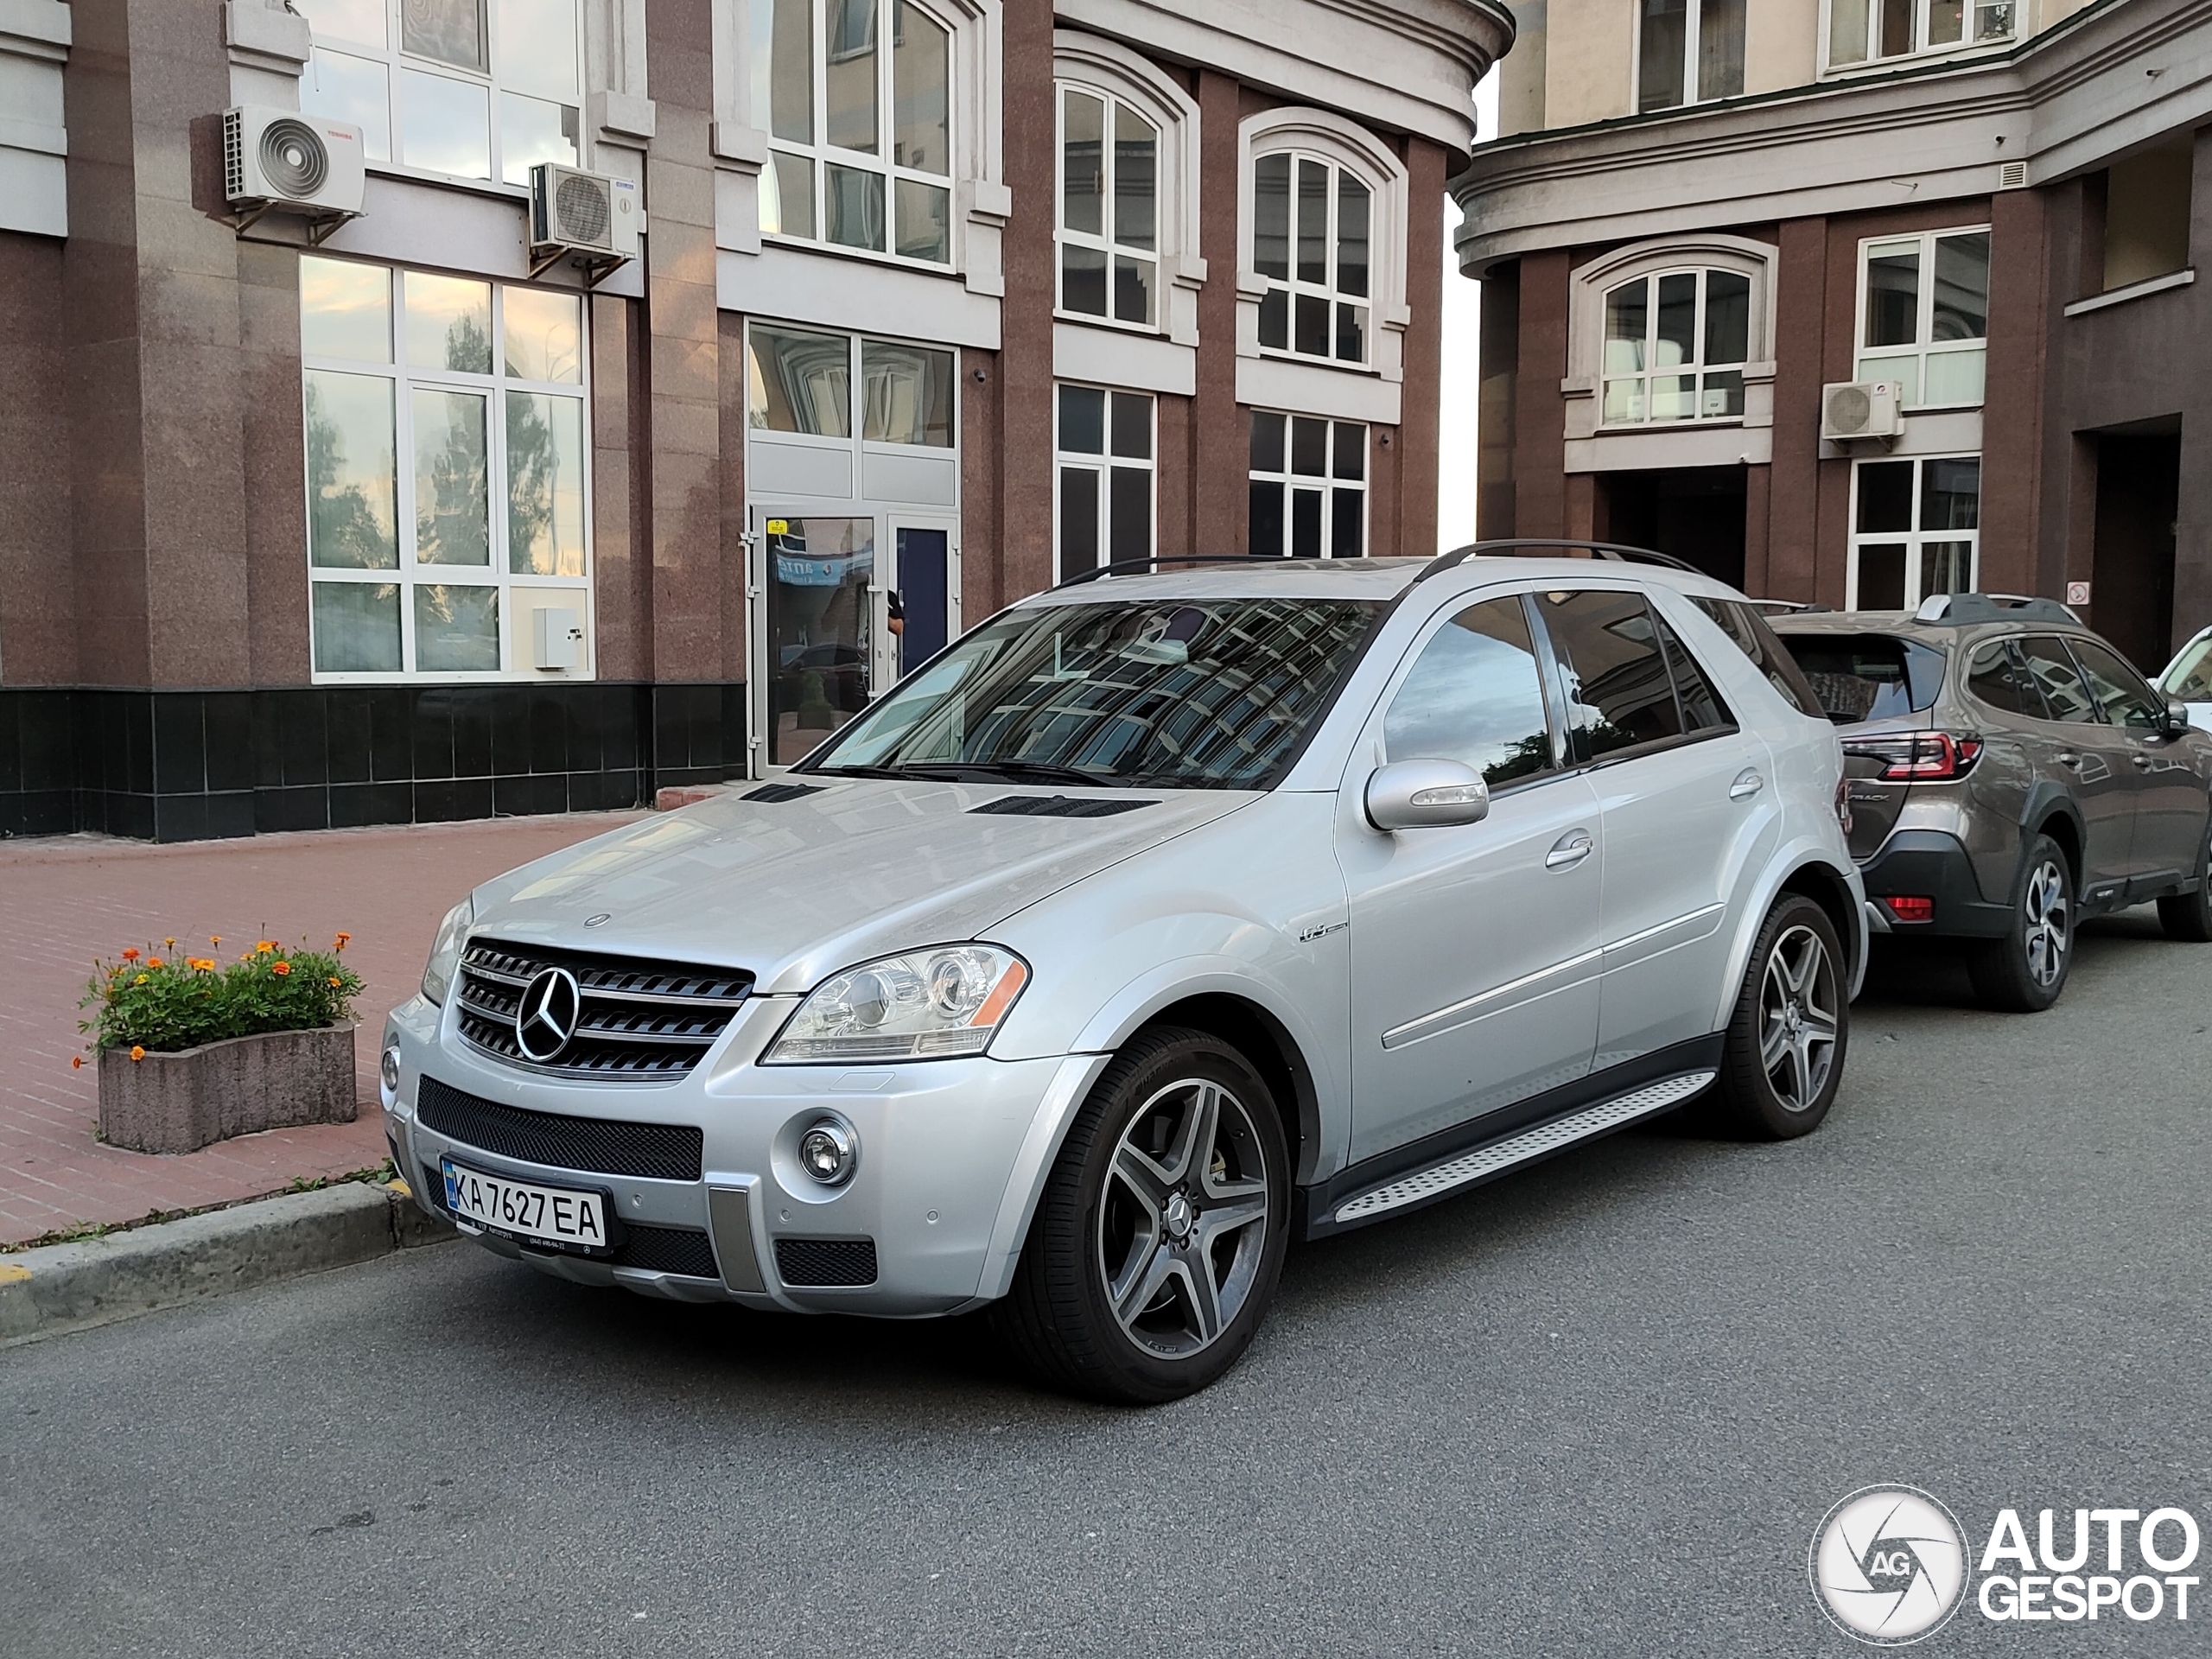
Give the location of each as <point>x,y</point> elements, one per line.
<point>930,1005</point>
<point>445,950</point>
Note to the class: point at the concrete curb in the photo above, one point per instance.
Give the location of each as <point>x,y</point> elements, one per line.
<point>98,1281</point>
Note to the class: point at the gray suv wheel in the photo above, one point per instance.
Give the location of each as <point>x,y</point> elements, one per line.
<point>2024,971</point>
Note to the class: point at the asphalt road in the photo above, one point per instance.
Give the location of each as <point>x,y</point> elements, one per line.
<point>1597,1408</point>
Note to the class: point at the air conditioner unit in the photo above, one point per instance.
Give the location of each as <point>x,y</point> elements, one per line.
<point>589,215</point>
<point>282,159</point>
<point>1862,409</point>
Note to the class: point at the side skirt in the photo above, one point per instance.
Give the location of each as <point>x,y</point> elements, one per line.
<point>1496,1143</point>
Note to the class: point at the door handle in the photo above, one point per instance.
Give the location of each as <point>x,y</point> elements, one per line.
<point>2142,762</point>
<point>1569,850</point>
<point>2068,758</point>
<point>1748,783</point>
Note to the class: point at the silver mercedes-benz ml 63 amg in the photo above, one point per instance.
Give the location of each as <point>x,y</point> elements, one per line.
<point>1158,921</point>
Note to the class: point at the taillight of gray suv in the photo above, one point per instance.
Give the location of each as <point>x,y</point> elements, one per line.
<point>2008,774</point>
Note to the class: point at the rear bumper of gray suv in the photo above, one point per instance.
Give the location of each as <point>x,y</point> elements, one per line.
<point>1931,864</point>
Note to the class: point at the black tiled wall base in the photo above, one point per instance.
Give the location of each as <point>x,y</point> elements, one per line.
<point>196,766</point>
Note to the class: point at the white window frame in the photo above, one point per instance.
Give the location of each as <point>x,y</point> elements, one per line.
<point>822,153</point>
<point>1104,465</point>
<point>410,574</point>
<point>1971,41</point>
<point>1062,236</point>
<point>1916,540</point>
<point>1329,485</point>
<point>1924,345</point>
<point>393,59</point>
<point>859,445</point>
<point>1696,366</point>
<point>1293,286</point>
<point>1693,35</point>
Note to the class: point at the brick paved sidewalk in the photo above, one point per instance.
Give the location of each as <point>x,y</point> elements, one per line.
<point>65,900</point>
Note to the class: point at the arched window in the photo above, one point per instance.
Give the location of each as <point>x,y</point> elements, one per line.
<point>1323,215</point>
<point>1675,346</point>
<point>1125,219</point>
<point>856,99</point>
<point>1674,332</point>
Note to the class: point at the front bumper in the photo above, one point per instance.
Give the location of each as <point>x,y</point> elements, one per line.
<point>951,1153</point>
<point>1930,864</point>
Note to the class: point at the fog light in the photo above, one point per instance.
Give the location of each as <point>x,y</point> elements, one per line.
<point>388,1074</point>
<point>1912,910</point>
<point>828,1152</point>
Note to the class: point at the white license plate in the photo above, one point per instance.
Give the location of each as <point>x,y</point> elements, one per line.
<point>552,1214</point>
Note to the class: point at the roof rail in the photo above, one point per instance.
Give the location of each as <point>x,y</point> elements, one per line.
<point>1127,566</point>
<point>1959,610</point>
<point>1785,607</point>
<point>1512,547</point>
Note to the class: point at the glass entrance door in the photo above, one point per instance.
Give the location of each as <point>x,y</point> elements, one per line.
<point>818,661</point>
<point>928,587</point>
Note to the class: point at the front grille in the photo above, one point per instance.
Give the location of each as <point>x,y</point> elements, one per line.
<point>826,1260</point>
<point>656,1249</point>
<point>636,1020</point>
<point>660,1152</point>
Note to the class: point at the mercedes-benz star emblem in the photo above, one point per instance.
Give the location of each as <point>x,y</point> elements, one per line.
<point>546,1017</point>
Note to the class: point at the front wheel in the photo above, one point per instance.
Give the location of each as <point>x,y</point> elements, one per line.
<point>1783,1053</point>
<point>1161,1232</point>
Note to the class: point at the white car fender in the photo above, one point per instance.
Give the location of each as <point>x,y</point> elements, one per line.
<point>1805,851</point>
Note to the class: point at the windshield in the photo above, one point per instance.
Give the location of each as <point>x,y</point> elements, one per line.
<point>2190,678</point>
<point>1867,676</point>
<point>1191,694</point>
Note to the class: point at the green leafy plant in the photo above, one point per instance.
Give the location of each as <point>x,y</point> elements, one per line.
<point>151,1003</point>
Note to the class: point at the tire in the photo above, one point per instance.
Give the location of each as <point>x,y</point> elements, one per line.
<point>1117,1216</point>
<point>2024,971</point>
<point>2187,917</point>
<point>1783,1050</point>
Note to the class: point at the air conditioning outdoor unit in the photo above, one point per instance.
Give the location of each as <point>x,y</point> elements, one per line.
<point>588,215</point>
<point>1862,409</point>
<point>277,158</point>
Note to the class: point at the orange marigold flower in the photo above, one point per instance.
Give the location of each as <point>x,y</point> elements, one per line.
<point>335,980</point>
<point>214,939</point>
<point>153,962</point>
<point>279,968</point>
<point>168,944</point>
<point>344,939</point>
<point>131,955</point>
<point>136,1053</point>
<point>76,1062</point>
<point>267,947</point>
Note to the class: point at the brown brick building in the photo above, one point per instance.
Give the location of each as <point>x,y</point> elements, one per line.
<point>1704,214</point>
<point>312,522</point>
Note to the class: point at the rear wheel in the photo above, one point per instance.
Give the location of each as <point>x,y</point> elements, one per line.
<point>1161,1233</point>
<point>2187,917</point>
<point>1784,1049</point>
<point>2024,971</point>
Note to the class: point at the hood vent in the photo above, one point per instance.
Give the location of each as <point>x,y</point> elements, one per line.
<point>1056,806</point>
<point>773,792</point>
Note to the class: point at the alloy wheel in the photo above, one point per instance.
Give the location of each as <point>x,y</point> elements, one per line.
<point>2048,920</point>
<point>1798,1018</point>
<point>1183,1217</point>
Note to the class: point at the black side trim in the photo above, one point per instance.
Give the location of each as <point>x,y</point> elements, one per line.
<point>773,792</point>
<point>1320,1200</point>
<point>1932,863</point>
<point>1056,806</point>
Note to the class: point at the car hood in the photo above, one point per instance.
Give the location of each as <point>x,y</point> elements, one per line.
<point>795,890</point>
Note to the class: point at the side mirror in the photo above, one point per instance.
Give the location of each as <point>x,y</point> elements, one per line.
<point>1426,795</point>
<point>2177,718</point>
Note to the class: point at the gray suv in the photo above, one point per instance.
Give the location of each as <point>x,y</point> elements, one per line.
<point>2008,774</point>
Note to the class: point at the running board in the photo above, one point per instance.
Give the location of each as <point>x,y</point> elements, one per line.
<point>1525,1147</point>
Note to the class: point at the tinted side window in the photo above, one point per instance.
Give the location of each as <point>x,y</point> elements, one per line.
<point>2123,697</point>
<point>1475,693</point>
<point>1702,708</point>
<point>1757,641</point>
<point>1617,692</point>
<point>1995,679</point>
<point>2060,681</point>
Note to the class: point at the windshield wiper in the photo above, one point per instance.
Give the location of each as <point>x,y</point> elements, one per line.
<point>1019,771</point>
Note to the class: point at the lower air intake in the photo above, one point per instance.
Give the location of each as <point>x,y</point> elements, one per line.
<point>826,1261</point>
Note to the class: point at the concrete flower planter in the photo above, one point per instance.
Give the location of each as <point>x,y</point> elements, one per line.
<point>184,1101</point>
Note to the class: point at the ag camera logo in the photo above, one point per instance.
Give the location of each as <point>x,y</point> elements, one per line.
<point>1889,1565</point>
